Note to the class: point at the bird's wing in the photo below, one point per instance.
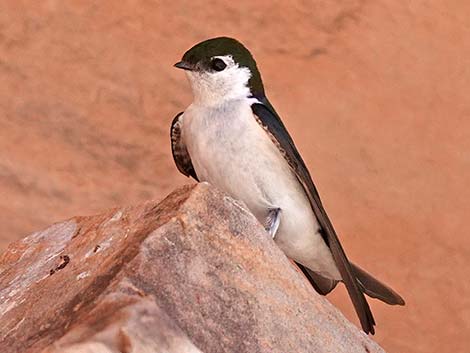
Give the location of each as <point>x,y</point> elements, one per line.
<point>272,124</point>
<point>179,150</point>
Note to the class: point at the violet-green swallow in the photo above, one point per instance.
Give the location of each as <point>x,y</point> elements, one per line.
<point>231,137</point>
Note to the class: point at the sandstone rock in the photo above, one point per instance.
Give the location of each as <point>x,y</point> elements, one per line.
<point>195,272</point>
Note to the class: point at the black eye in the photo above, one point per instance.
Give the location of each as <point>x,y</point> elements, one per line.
<point>218,64</point>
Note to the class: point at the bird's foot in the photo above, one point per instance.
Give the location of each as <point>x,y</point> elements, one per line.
<point>272,221</point>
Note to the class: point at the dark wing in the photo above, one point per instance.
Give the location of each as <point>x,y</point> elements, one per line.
<point>178,148</point>
<point>270,121</point>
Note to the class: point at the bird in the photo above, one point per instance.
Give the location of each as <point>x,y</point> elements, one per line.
<point>231,137</point>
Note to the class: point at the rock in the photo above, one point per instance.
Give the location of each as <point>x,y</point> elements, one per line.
<point>193,273</point>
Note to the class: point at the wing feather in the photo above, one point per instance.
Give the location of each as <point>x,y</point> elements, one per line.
<point>270,121</point>
<point>178,148</point>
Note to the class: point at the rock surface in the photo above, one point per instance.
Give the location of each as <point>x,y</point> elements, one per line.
<point>193,273</point>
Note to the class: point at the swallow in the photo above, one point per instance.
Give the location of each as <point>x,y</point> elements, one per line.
<point>231,137</point>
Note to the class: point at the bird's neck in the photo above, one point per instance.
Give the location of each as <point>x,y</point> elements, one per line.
<point>209,91</point>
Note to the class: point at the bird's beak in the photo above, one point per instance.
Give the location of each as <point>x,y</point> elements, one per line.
<point>184,65</point>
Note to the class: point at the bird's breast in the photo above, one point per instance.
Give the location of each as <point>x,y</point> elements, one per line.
<point>230,150</point>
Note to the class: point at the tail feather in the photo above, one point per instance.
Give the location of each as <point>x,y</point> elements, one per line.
<point>359,283</point>
<point>321,284</point>
<point>376,289</point>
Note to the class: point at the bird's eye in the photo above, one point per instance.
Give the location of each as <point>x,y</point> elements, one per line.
<point>218,64</point>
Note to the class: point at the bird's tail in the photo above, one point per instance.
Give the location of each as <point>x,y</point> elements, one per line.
<point>376,289</point>
<point>367,284</point>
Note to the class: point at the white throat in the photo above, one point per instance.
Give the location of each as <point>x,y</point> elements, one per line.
<point>214,88</point>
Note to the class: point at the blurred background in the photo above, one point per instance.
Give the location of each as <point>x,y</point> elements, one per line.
<point>375,94</point>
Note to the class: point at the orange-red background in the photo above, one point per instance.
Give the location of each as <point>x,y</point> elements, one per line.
<point>375,94</point>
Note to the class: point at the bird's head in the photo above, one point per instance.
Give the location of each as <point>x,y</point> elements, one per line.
<point>221,69</point>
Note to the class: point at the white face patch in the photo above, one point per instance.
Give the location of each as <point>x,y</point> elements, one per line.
<point>216,87</point>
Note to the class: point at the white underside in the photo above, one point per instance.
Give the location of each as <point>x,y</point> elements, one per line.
<point>231,151</point>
